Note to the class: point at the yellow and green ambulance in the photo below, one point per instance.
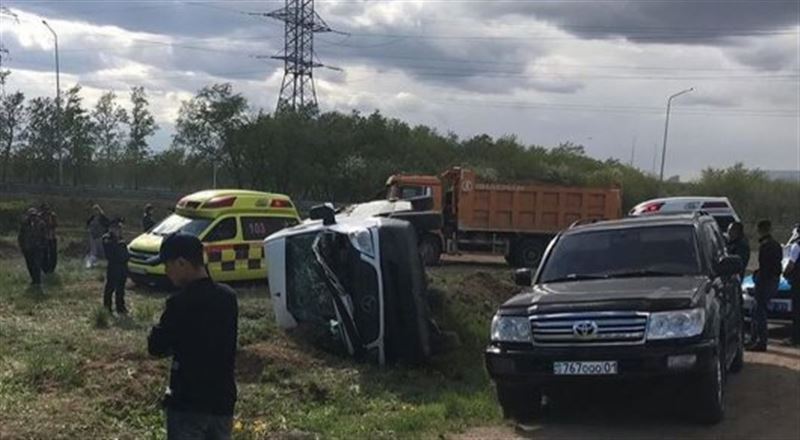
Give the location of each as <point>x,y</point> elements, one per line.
<point>232,225</point>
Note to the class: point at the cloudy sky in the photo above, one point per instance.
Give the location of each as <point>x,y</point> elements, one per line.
<point>594,72</point>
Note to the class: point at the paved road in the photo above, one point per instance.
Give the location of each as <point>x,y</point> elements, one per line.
<point>763,402</point>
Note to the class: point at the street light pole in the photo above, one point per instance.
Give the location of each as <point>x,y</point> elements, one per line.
<point>666,129</point>
<point>58,109</point>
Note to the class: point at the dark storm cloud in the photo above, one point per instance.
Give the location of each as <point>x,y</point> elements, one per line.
<point>471,64</point>
<point>457,64</point>
<point>187,18</point>
<point>657,21</point>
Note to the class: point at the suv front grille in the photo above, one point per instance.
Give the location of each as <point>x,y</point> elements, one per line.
<point>589,328</point>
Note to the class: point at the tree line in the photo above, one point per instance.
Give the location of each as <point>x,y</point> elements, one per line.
<point>331,156</point>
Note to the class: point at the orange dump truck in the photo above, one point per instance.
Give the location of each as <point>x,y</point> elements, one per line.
<point>511,219</point>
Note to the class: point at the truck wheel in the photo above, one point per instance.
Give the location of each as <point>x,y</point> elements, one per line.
<point>709,394</point>
<point>528,252</point>
<point>519,402</point>
<point>430,250</point>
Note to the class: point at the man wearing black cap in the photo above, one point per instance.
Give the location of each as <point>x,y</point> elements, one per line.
<point>117,269</point>
<point>198,329</point>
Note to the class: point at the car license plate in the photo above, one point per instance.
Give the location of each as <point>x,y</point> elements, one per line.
<point>591,368</point>
<point>780,305</point>
<point>137,270</point>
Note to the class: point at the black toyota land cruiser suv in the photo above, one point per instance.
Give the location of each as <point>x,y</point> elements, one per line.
<point>639,298</point>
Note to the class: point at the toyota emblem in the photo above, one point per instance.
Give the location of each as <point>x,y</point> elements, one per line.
<point>585,329</point>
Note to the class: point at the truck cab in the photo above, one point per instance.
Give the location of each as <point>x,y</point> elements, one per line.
<point>405,187</point>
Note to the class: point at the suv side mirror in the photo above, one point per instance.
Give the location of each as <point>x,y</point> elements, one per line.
<point>523,277</point>
<point>323,212</point>
<point>729,265</point>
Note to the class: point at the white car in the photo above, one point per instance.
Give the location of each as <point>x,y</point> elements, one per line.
<point>718,207</point>
<point>355,285</point>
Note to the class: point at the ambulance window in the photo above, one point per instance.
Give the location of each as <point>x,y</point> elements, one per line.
<point>259,228</point>
<point>224,230</point>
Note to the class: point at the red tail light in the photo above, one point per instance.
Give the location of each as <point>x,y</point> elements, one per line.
<point>651,208</point>
<point>220,202</point>
<point>279,203</point>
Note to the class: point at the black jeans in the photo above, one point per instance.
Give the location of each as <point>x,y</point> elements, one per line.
<point>765,291</point>
<point>33,261</point>
<point>184,425</point>
<point>50,256</point>
<point>115,283</point>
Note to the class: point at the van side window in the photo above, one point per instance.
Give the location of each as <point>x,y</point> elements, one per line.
<point>224,230</point>
<point>259,228</point>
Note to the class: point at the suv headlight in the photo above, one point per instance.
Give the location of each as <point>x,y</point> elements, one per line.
<point>676,324</point>
<point>511,328</point>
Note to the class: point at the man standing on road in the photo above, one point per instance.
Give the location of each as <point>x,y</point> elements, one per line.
<point>738,245</point>
<point>117,268</point>
<point>147,218</point>
<point>51,242</point>
<point>31,240</point>
<point>766,278</point>
<point>792,274</point>
<point>199,330</point>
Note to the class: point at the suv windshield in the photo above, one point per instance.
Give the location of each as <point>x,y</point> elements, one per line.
<point>175,223</point>
<point>615,253</point>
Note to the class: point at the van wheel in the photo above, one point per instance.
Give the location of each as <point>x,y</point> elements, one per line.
<point>519,402</point>
<point>430,250</point>
<point>709,394</point>
<point>528,252</point>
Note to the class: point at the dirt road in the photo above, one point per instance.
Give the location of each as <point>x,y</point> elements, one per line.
<point>762,402</point>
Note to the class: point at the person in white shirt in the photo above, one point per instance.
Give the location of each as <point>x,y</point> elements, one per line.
<point>792,274</point>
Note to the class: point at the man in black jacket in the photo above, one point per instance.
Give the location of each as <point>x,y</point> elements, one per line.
<point>147,218</point>
<point>32,243</point>
<point>737,245</point>
<point>766,278</point>
<point>116,252</point>
<point>199,330</point>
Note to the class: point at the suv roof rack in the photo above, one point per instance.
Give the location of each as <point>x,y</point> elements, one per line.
<point>693,213</point>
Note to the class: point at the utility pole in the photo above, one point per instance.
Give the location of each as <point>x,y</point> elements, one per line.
<point>301,22</point>
<point>633,150</point>
<point>666,130</point>
<point>59,144</point>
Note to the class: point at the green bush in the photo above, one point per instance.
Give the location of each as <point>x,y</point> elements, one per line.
<point>11,212</point>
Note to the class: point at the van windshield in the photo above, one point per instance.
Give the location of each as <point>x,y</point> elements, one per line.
<point>178,223</point>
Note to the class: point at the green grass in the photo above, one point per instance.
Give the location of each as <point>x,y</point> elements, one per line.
<point>68,369</point>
